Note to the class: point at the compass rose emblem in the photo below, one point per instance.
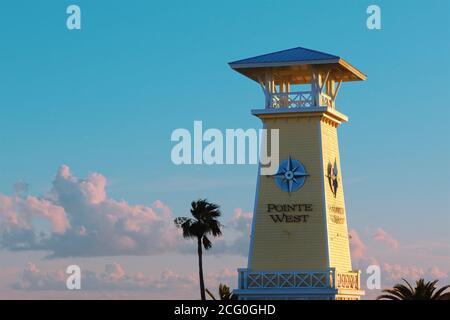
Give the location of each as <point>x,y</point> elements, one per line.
<point>291,175</point>
<point>332,175</point>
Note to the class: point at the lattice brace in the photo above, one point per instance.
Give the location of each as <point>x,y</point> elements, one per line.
<point>303,280</point>
<point>319,280</point>
<point>254,280</point>
<point>306,99</point>
<point>270,280</point>
<point>286,280</point>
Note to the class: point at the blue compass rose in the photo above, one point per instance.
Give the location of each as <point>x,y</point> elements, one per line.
<point>291,175</point>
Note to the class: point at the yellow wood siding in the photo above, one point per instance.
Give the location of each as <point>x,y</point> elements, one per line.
<point>338,242</point>
<point>292,246</point>
<point>318,243</point>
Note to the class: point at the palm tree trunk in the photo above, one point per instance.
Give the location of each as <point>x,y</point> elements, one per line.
<point>200,268</point>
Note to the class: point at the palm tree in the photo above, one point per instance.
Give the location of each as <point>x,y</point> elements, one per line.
<point>422,291</point>
<point>224,293</point>
<point>203,223</point>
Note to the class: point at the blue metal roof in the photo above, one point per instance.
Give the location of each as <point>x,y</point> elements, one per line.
<point>294,55</point>
<point>288,62</point>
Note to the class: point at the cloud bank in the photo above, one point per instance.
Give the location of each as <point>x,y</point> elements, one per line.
<point>77,218</point>
<point>115,278</point>
<point>392,272</point>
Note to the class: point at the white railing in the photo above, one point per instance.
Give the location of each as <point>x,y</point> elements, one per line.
<point>298,99</point>
<point>298,279</point>
<point>292,99</point>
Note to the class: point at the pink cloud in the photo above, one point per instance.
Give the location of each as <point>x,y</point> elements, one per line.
<point>85,221</point>
<point>54,213</point>
<point>114,272</point>
<point>33,279</point>
<point>383,236</point>
<point>80,219</point>
<point>393,269</point>
<point>357,246</point>
<point>437,273</point>
<point>16,212</point>
<point>114,279</point>
<point>396,271</point>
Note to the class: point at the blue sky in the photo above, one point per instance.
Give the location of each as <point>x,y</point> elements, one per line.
<point>106,99</point>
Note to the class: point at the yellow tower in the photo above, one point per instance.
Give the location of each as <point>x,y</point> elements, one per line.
<point>299,247</point>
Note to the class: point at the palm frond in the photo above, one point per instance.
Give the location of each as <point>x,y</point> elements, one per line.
<point>423,290</point>
<point>213,210</point>
<point>445,296</point>
<point>179,221</point>
<point>438,294</point>
<point>409,285</point>
<point>205,215</point>
<point>225,292</point>
<point>396,293</point>
<point>210,294</point>
<point>206,243</point>
<point>388,297</point>
<point>198,208</point>
<point>215,228</point>
<point>187,225</point>
<point>429,289</point>
<point>404,291</point>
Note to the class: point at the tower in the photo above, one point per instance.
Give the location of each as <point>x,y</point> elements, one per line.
<point>299,246</point>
